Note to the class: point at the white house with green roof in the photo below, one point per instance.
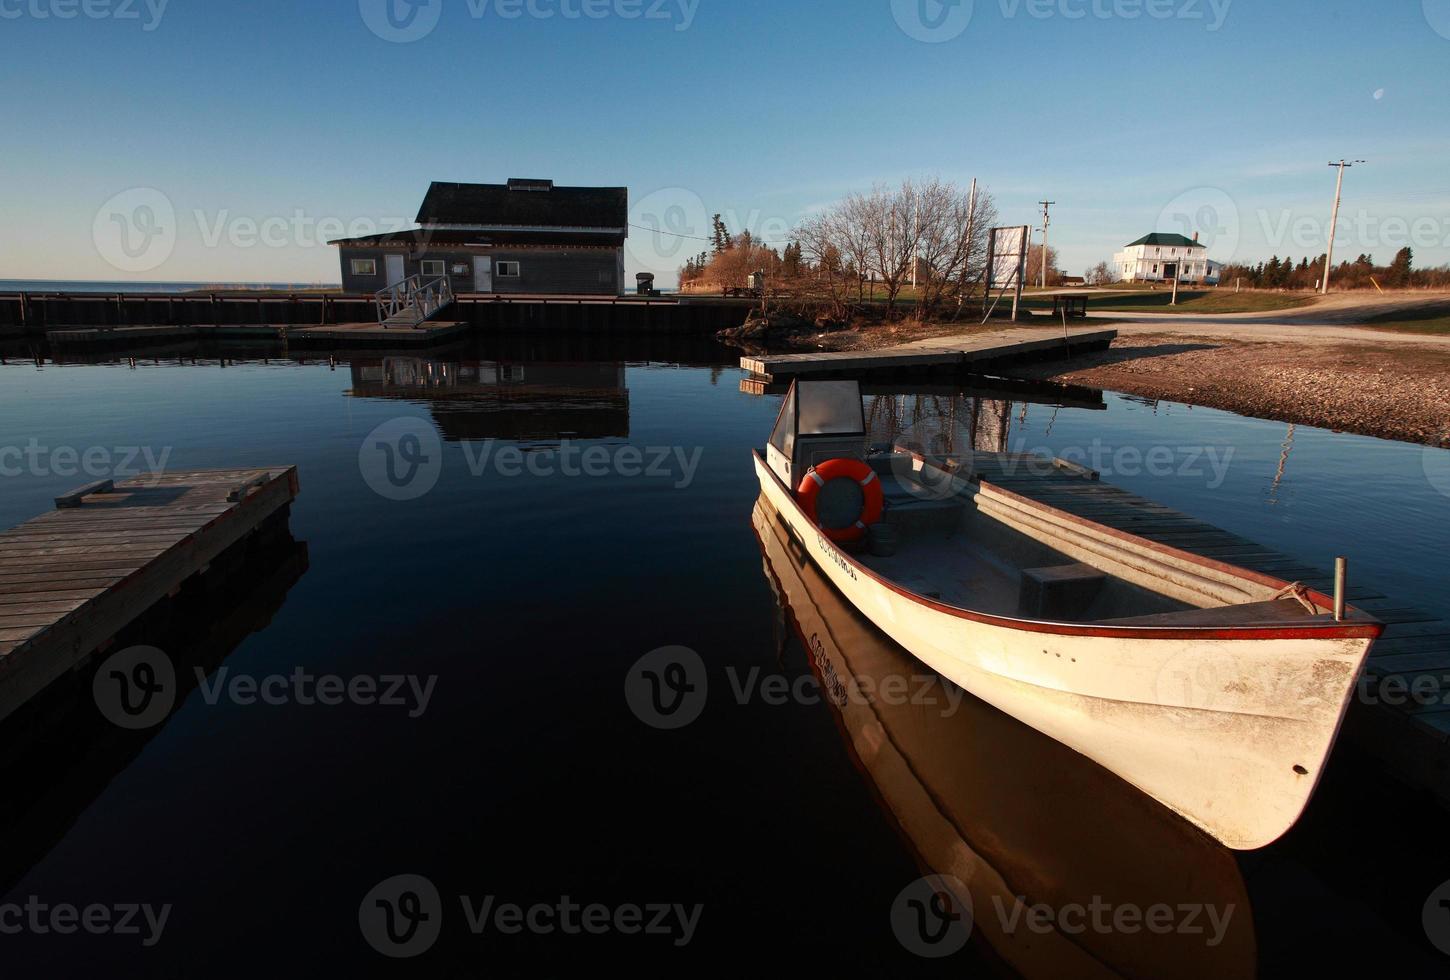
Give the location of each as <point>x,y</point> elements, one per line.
<point>1161,256</point>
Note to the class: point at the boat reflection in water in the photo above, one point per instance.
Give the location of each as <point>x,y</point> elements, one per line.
<point>1025,822</point>
<point>524,401</point>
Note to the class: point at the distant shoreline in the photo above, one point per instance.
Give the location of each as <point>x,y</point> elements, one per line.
<point>108,286</point>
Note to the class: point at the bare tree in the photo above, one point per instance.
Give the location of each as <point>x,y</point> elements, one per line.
<point>926,225</point>
<point>1101,275</point>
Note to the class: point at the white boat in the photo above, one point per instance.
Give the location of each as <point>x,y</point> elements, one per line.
<point>1199,682</point>
<point>1005,818</point>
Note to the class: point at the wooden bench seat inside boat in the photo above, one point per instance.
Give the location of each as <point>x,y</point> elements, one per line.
<point>1277,612</point>
<point>1059,591</point>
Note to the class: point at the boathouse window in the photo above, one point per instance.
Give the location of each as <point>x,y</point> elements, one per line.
<point>364,267</point>
<point>432,267</point>
<point>460,268</point>
<point>507,270</point>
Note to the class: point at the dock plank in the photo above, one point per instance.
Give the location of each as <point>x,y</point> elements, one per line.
<point>948,352</point>
<point>73,577</point>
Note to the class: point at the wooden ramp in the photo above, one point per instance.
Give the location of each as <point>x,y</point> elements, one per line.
<point>969,351</point>
<point>1411,735</point>
<point>71,579</point>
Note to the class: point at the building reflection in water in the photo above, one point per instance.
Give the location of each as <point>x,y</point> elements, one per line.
<point>523,401</point>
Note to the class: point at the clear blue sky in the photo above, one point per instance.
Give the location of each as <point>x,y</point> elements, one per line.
<point>293,112</point>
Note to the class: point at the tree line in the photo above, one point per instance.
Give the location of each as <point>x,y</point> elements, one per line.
<point>928,233</point>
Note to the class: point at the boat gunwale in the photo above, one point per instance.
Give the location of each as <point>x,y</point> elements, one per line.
<point>1365,627</point>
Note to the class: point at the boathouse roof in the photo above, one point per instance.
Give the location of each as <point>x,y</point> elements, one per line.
<point>423,238</point>
<point>525,203</point>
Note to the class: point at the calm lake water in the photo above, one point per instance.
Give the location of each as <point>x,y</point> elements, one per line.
<point>478,558</point>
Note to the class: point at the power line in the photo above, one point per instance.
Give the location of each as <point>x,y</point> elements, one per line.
<point>701,238</point>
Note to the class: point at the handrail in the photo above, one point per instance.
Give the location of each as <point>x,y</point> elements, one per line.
<point>412,301</point>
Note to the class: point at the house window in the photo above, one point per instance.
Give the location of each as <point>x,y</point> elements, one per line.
<point>432,267</point>
<point>507,270</point>
<point>1155,266</point>
<point>364,267</point>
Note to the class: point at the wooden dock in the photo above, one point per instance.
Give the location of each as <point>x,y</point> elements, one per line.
<point>71,579</point>
<point>427,334</point>
<point>968,352</point>
<point>1411,737</point>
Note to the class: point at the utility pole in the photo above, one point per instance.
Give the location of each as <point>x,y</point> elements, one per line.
<point>1334,222</point>
<point>1046,220</point>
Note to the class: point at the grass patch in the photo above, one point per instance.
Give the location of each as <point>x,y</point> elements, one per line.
<point>1428,325</point>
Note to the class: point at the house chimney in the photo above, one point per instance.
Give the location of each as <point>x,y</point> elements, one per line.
<point>1195,236</point>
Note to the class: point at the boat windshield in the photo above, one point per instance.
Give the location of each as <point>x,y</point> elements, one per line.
<point>829,408</point>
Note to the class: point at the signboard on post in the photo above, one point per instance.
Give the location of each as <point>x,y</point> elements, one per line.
<point>1006,262</point>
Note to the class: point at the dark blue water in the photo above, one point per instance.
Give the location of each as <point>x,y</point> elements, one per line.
<point>527,590</point>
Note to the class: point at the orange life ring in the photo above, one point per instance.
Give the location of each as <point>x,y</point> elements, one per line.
<point>816,479</point>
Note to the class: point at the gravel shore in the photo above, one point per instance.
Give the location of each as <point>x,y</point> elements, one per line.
<point>1394,392</point>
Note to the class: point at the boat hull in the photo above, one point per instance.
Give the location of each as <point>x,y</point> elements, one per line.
<point>1229,728</point>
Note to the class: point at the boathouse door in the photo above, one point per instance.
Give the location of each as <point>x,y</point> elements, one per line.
<point>393,266</point>
<point>483,273</point>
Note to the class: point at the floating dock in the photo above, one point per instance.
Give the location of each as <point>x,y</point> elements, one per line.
<point>1411,737</point>
<point>968,352</point>
<point>71,579</point>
